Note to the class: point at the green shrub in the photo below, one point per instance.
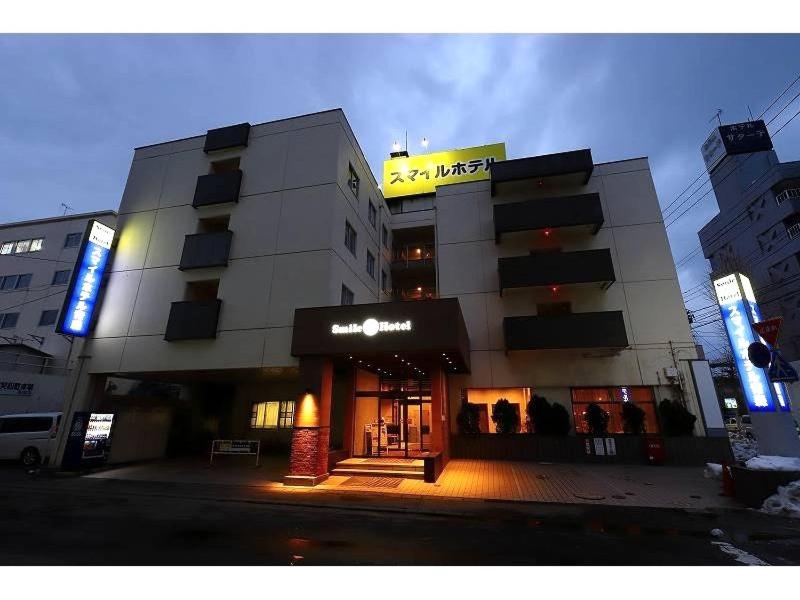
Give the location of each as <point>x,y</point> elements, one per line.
<point>676,420</point>
<point>633,418</point>
<point>547,419</point>
<point>596,419</point>
<point>505,416</point>
<point>468,419</point>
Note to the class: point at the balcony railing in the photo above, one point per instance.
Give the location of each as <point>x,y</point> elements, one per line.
<point>786,195</point>
<point>793,231</point>
<point>206,250</point>
<point>556,268</point>
<point>413,255</point>
<point>568,331</point>
<point>217,188</point>
<point>546,213</point>
<point>193,320</point>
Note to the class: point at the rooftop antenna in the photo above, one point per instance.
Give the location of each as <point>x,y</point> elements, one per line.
<point>717,117</point>
<point>66,207</point>
<point>750,111</point>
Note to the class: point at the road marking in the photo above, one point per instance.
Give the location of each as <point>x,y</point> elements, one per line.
<point>740,555</point>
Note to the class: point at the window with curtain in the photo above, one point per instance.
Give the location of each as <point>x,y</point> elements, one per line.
<point>272,415</point>
<point>611,401</point>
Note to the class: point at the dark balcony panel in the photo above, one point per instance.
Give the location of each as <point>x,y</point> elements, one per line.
<point>193,320</point>
<point>217,188</point>
<point>576,162</point>
<point>574,330</point>
<point>206,250</point>
<point>234,136</point>
<point>548,213</point>
<point>556,268</point>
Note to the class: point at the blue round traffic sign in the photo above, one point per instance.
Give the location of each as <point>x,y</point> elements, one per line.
<point>759,355</point>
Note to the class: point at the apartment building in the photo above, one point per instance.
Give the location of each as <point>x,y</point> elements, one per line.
<point>36,262</point>
<point>264,286</point>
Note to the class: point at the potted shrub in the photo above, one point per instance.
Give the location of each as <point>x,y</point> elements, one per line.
<point>559,419</point>
<point>676,420</point>
<point>596,419</point>
<point>505,416</point>
<point>633,419</point>
<point>468,419</point>
<point>546,418</point>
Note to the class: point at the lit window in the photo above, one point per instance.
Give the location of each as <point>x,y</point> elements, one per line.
<point>370,264</point>
<point>22,246</point>
<point>36,245</point>
<point>7,248</point>
<point>372,213</point>
<point>272,415</point>
<point>73,240</point>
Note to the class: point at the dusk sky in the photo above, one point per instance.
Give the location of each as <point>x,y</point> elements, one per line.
<point>73,107</point>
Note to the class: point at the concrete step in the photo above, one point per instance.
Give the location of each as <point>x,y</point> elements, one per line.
<point>381,465</point>
<point>405,474</point>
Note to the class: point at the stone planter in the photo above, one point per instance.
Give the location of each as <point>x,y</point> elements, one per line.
<point>753,487</point>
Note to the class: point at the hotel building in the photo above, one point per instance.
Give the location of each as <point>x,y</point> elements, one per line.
<point>264,286</point>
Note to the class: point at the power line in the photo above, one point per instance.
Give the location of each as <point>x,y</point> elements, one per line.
<point>32,301</point>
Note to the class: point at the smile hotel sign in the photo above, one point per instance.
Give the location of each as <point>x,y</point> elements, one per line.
<point>413,175</point>
<point>371,327</point>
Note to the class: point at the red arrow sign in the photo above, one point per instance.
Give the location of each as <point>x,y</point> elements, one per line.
<point>769,329</point>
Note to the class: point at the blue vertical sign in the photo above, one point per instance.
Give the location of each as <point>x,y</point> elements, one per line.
<point>737,318</point>
<point>84,286</point>
<point>781,393</point>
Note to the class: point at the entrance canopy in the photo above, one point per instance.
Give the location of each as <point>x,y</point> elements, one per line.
<point>386,335</point>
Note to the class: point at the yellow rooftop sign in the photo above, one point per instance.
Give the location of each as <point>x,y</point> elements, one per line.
<point>421,174</point>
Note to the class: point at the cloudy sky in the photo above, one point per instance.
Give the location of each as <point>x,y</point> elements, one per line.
<point>72,108</point>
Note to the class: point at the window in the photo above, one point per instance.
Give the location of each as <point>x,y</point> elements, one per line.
<point>15,282</point>
<point>61,277</point>
<point>48,317</point>
<point>384,281</point>
<point>553,309</point>
<point>22,246</point>
<point>272,415</point>
<point>350,237</point>
<point>347,295</point>
<point>8,320</point>
<point>611,400</point>
<point>25,424</point>
<point>372,213</point>
<point>353,181</point>
<point>370,264</point>
<point>385,236</point>
<point>73,240</point>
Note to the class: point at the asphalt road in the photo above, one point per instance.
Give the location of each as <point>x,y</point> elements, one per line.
<point>77,521</point>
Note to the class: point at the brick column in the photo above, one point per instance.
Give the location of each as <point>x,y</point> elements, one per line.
<point>308,461</point>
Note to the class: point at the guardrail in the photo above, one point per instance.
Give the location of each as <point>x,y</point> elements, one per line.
<point>786,194</point>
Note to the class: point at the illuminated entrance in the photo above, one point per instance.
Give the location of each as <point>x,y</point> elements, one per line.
<point>393,420</point>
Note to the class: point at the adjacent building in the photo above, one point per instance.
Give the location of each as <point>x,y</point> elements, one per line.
<point>264,286</point>
<point>36,262</point>
<point>757,230</point>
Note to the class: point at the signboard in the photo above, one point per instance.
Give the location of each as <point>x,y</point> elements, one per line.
<point>371,327</point>
<point>88,441</point>
<point>759,355</point>
<point>736,315</point>
<point>413,175</point>
<point>731,403</point>
<point>97,439</point>
<point>245,447</point>
<point>15,388</point>
<point>781,370</point>
<point>768,330</point>
<point>742,138</point>
<point>713,150</point>
<point>84,286</point>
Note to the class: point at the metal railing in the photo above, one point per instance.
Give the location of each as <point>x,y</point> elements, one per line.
<point>28,363</point>
<point>417,293</point>
<point>413,254</point>
<point>786,194</point>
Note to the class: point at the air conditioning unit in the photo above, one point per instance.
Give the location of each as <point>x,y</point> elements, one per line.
<point>671,372</point>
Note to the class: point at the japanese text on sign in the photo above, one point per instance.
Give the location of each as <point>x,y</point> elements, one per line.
<point>421,174</point>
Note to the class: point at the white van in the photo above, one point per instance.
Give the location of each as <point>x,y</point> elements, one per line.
<point>29,438</point>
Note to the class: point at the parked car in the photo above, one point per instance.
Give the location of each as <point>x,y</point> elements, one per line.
<point>29,438</point>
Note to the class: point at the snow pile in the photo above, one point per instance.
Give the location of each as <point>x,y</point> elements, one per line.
<point>786,502</point>
<point>774,463</point>
<point>713,471</point>
<point>744,448</point>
